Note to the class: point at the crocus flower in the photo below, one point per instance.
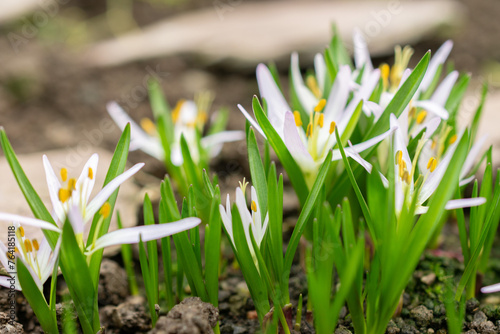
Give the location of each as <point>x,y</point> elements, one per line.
<point>38,258</point>
<point>76,192</point>
<point>310,147</point>
<point>433,173</point>
<point>491,288</point>
<point>189,120</point>
<point>393,77</point>
<point>250,218</point>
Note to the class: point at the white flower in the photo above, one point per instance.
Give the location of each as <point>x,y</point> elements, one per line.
<point>77,192</point>
<point>405,169</point>
<point>38,258</point>
<point>309,148</point>
<point>188,120</point>
<point>491,288</point>
<point>250,218</point>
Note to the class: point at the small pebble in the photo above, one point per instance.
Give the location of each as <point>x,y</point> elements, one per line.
<point>252,315</point>
<point>422,315</point>
<point>428,279</point>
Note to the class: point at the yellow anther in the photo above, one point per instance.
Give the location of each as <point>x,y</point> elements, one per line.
<point>296,116</point>
<point>16,250</point>
<point>21,231</point>
<point>28,245</point>
<point>148,126</point>
<point>254,206</point>
<point>309,130</point>
<point>401,171</point>
<point>313,86</point>
<point>71,184</point>
<point>321,104</point>
<point>64,174</point>
<point>412,112</point>
<point>177,110</point>
<point>433,144</point>
<point>332,127</point>
<point>421,116</point>
<point>321,119</point>
<point>36,246</point>
<point>406,177</point>
<point>453,139</point>
<point>431,164</point>
<point>91,173</point>
<point>403,163</point>
<point>64,195</point>
<point>10,256</point>
<point>105,210</point>
<point>384,72</point>
<point>399,157</point>
<point>202,117</point>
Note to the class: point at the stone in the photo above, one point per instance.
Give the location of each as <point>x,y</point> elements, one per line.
<point>428,279</point>
<point>230,34</point>
<point>422,315</point>
<point>9,326</point>
<point>191,316</point>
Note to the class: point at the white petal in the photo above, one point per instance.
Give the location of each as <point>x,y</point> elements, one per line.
<point>76,220</point>
<point>350,152</point>
<point>491,288</point>
<point>48,268</point>
<point>3,256</point>
<point>439,58</point>
<point>252,121</point>
<point>433,108</point>
<point>269,90</point>
<point>29,221</point>
<point>176,154</point>
<point>54,185</point>
<point>84,180</point>
<point>468,180</point>
<point>6,282</point>
<point>472,156</point>
<point>133,235</point>
<point>104,194</point>
<point>363,145</point>
<point>442,92</point>
<point>385,182</point>
<point>338,95</point>
<point>228,224</point>
<point>306,98</point>
<point>222,137</point>
<point>361,53</point>
<point>295,145</point>
<point>464,203</point>
<point>320,69</point>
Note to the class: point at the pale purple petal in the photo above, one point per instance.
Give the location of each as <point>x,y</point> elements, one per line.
<point>295,145</point>
<point>8,217</point>
<point>269,90</point>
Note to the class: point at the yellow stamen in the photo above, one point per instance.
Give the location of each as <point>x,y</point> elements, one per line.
<point>399,157</point>
<point>243,185</point>
<point>401,171</point>
<point>16,249</point>
<point>406,177</point>
<point>404,163</point>
<point>254,206</point>
<point>91,173</point>
<point>321,120</point>
<point>412,112</point>
<point>202,117</point>
<point>105,210</point>
<point>421,116</point>
<point>64,194</point>
<point>309,130</point>
<point>28,245</point>
<point>36,245</point>
<point>332,127</point>
<point>10,256</point>
<point>321,104</point>
<point>148,126</point>
<point>384,72</point>
<point>71,184</point>
<point>298,120</point>
<point>177,110</point>
<point>64,174</point>
<point>21,231</point>
<point>453,139</point>
<point>431,165</point>
<point>433,144</point>
<point>313,86</point>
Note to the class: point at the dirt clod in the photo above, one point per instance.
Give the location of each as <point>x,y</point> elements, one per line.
<point>191,316</point>
<point>472,305</point>
<point>422,315</point>
<point>482,324</point>
<point>130,316</point>
<point>9,327</point>
<point>113,284</point>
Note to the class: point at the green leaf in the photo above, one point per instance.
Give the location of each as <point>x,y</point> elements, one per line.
<point>36,205</point>
<point>78,278</point>
<point>36,299</point>
<point>257,172</point>
<point>148,282</point>
<point>213,251</point>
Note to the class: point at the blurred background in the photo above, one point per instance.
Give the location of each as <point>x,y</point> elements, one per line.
<point>63,60</point>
